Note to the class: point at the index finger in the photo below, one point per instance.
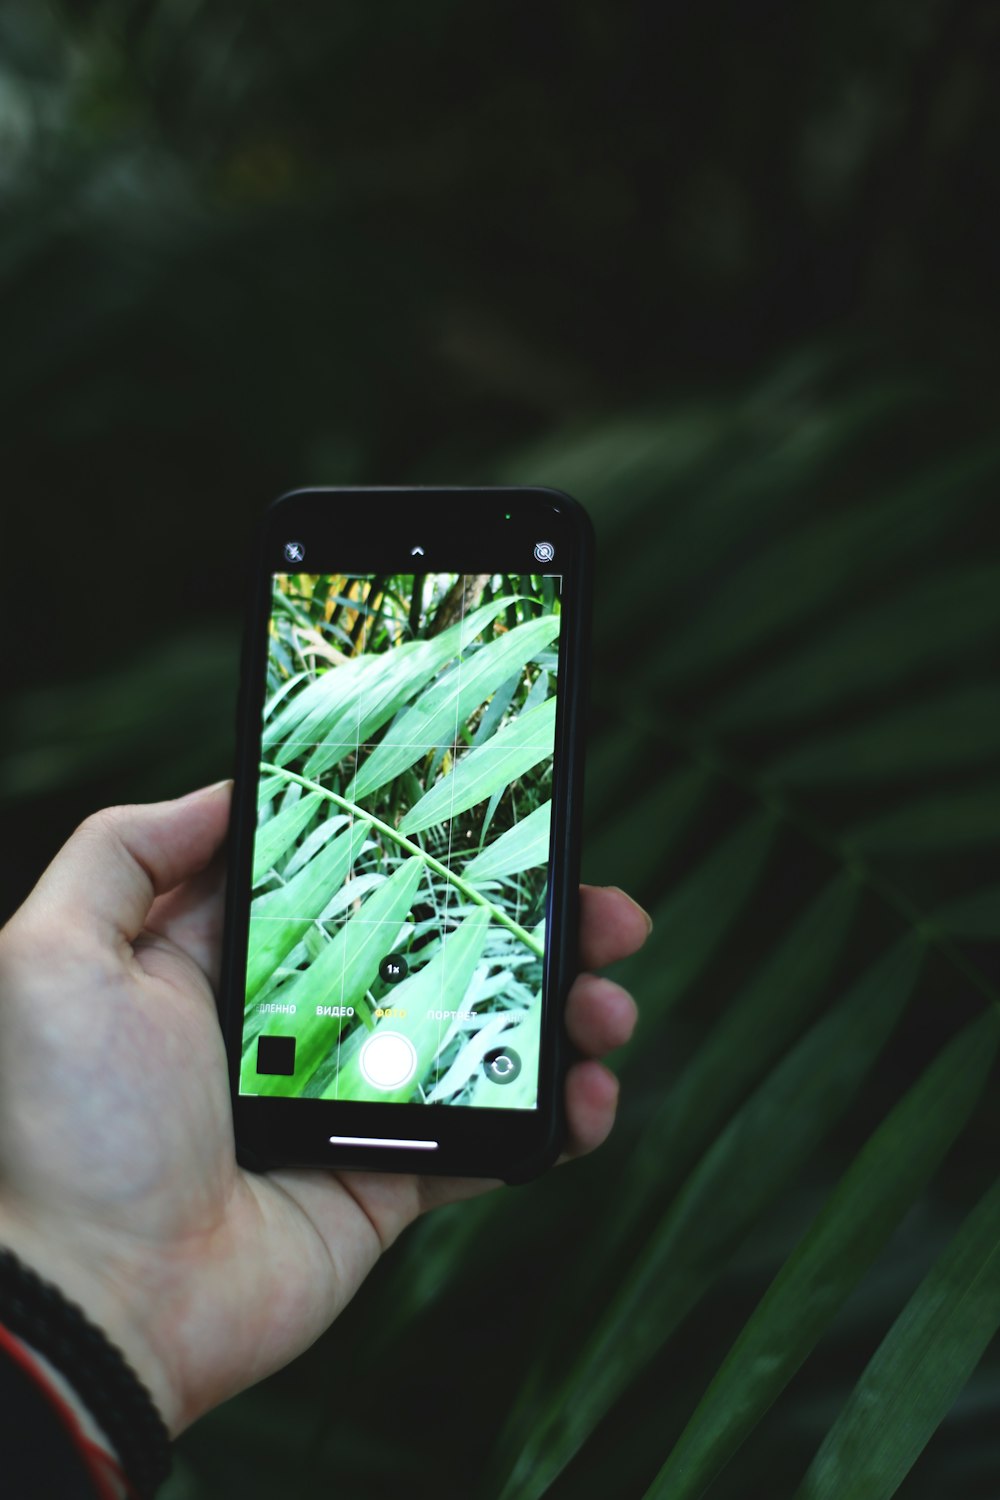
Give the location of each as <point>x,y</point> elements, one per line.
<point>612,925</point>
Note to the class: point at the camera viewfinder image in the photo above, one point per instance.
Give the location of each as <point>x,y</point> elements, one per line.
<point>397,926</point>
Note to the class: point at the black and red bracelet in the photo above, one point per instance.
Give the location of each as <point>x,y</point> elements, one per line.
<point>105,1472</point>
<point>40,1314</point>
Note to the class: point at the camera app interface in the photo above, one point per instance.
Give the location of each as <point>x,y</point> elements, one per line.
<point>401,852</point>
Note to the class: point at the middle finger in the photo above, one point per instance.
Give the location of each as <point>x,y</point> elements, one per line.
<point>600,1015</point>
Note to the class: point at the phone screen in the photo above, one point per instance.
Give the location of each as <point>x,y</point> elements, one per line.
<point>396,945</point>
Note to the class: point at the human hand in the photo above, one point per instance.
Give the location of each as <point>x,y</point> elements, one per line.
<point>118,1179</point>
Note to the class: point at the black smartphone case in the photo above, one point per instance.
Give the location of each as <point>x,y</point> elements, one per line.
<point>562,940</point>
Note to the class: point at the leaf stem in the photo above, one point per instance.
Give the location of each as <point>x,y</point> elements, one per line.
<point>467,890</point>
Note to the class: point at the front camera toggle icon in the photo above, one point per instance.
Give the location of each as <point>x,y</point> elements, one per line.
<point>501,1065</point>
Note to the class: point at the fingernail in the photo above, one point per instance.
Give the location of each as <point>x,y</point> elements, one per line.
<point>632,902</point>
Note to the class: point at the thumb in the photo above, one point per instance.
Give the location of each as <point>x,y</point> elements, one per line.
<point>107,875</point>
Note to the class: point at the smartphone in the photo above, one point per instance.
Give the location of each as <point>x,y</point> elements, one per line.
<point>401,925</point>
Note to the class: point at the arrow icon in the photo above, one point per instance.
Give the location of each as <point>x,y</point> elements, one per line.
<point>416,551</point>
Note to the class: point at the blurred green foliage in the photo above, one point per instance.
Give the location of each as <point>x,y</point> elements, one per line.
<point>720,272</point>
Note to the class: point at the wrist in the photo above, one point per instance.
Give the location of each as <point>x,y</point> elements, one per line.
<point>87,1280</point>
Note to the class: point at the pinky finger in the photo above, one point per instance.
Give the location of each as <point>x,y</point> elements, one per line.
<point>591,1102</point>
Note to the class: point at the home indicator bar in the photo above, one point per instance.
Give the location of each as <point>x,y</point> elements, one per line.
<point>376,1140</point>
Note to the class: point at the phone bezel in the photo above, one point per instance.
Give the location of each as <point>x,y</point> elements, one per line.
<point>372,529</point>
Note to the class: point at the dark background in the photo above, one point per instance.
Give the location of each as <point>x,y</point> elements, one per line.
<point>725,272</point>
<point>248,246</point>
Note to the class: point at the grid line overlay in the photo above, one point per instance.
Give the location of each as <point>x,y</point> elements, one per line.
<point>451,822</point>
<point>357,756</point>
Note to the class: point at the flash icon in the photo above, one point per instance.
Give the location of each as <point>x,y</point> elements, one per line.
<point>294,552</point>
